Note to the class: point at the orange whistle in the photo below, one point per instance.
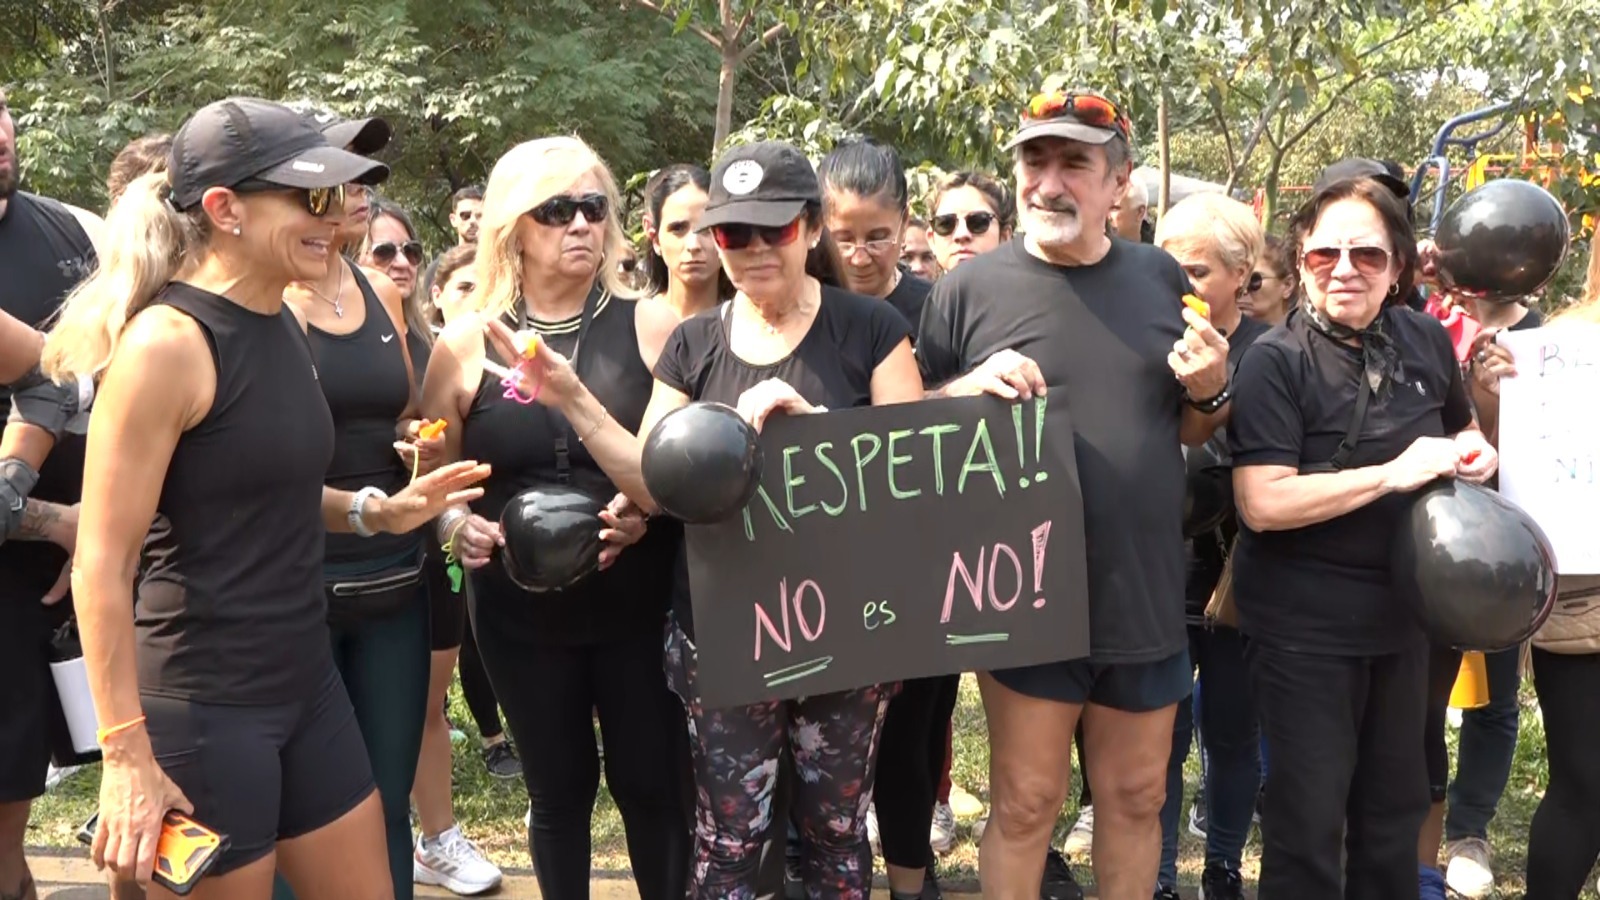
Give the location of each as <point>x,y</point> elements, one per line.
<point>527,343</point>
<point>1194,302</point>
<point>431,430</point>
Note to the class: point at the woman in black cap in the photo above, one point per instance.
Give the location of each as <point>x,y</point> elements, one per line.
<point>218,694</point>
<point>377,605</point>
<point>566,642</point>
<point>1338,415</point>
<point>789,341</point>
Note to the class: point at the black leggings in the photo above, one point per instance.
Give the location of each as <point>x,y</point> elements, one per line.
<point>1565,838</point>
<point>1444,665</point>
<point>550,694</point>
<point>913,739</point>
<point>476,689</point>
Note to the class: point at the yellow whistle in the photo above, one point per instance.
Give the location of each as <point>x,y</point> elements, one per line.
<point>1471,689</point>
<point>527,343</point>
<point>1194,302</point>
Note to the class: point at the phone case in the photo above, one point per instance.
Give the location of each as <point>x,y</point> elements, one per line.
<point>185,853</point>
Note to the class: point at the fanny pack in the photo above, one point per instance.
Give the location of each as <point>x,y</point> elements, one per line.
<point>355,599</point>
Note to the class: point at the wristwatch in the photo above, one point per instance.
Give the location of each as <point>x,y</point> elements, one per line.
<point>355,515</point>
<point>1207,407</point>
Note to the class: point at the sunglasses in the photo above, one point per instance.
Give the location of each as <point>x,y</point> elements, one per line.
<point>317,201</point>
<point>1090,109</point>
<point>384,253</point>
<point>1369,261</point>
<point>737,236</point>
<point>560,211</point>
<point>977,223</point>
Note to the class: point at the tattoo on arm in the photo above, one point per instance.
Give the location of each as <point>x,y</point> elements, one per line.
<point>39,519</point>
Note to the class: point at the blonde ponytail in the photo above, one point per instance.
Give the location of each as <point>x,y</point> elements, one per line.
<point>145,244</point>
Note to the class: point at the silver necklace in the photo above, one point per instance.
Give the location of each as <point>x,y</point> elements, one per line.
<point>338,307</point>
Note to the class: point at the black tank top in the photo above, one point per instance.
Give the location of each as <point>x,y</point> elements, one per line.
<point>44,253</point>
<point>520,443</point>
<point>363,377</point>
<point>230,606</point>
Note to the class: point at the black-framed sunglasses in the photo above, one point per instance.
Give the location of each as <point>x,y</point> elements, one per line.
<point>559,211</point>
<point>317,201</point>
<point>384,253</point>
<point>977,223</point>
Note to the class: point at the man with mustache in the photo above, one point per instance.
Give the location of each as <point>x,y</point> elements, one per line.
<point>45,248</point>
<point>1099,322</point>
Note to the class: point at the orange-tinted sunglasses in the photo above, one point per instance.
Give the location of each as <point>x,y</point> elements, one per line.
<point>1090,109</point>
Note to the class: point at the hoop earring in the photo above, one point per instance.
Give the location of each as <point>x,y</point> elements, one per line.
<point>1394,289</point>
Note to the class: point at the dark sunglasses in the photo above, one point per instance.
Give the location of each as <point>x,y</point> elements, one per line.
<point>977,223</point>
<point>560,211</point>
<point>384,253</point>
<point>737,235</point>
<point>317,201</point>
<point>1254,284</point>
<point>1369,261</point>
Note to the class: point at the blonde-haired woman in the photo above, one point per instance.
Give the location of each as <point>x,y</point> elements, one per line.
<point>206,641</point>
<point>1217,241</point>
<point>548,232</point>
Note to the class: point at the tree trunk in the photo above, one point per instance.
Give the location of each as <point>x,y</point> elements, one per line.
<point>1269,189</point>
<point>1164,143</point>
<point>727,76</point>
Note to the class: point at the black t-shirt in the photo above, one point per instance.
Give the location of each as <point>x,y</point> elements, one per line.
<point>44,253</point>
<point>831,366</point>
<point>1325,588</point>
<point>1100,335</point>
<point>908,297</point>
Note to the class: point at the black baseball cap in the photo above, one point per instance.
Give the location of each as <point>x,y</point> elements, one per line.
<point>363,136</point>
<point>766,184</point>
<point>1356,167</point>
<point>245,139</point>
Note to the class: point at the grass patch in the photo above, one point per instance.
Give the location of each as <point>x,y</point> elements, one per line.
<point>491,811</point>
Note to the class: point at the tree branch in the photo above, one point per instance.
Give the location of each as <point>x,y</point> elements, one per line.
<point>761,41</point>
<point>737,34</point>
<point>710,38</point>
<point>1227,133</point>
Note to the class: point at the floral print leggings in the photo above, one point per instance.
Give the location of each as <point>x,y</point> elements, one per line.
<point>834,742</point>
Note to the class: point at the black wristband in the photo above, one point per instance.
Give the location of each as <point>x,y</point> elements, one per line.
<point>1207,407</point>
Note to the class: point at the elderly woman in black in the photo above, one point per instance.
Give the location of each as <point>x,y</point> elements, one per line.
<point>1356,402</point>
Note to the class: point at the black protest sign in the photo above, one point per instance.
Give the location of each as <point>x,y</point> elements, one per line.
<point>895,542</point>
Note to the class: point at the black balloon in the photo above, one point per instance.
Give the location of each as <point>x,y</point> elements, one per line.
<point>702,463</point>
<point>1208,490</point>
<point>1502,240</point>
<point>552,537</point>
<point>1476,569</point>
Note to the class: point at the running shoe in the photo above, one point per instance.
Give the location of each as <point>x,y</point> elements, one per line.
<point>452,862</point>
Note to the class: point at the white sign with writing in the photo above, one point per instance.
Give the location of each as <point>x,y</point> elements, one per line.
<point>1550,437</point>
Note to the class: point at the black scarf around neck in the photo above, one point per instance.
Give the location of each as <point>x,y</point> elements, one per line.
<point>1380,359</point>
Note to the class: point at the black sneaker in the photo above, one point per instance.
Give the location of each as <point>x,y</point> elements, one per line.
<point>1167,893</point>
<point>1220,884</point>
<point>501,761</point>
<point>1058,883</point>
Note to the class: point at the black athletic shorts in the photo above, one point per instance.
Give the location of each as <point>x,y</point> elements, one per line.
<point>1129,687</point>
<point>447,611</point>
<point>261,774</point>
<point>31,723</point>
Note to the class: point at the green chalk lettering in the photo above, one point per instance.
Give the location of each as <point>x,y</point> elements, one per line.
<point>861,464</point>
<point>894,460</point>
<point>772,508</point>
<point>980,438</point>
<point>792,481</point>
<point>844,487</point>
<point>937,432</point>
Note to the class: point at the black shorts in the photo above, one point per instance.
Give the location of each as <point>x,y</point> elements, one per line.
<point>447,611</point>
<point>1129,687</point>
<point>261,774</point>
<point>27,699</point>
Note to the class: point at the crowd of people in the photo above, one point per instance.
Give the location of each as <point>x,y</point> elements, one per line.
<point>271,442</point>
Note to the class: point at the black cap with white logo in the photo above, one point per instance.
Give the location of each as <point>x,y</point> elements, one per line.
<point>245,139</point>
<point>767,184</point>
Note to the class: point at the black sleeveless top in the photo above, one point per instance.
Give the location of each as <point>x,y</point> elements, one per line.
<point>520,442</point>
<point>229,606</point>
<point>44,253</point>
<point>363,377</point>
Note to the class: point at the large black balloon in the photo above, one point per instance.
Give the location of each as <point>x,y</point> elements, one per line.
<point>702,463</point>
<point>1502,240</point>
<point>1475,568</point>
<point>552,537</point>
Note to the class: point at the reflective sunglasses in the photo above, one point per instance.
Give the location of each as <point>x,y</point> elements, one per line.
<point>384,253</point>
<point>1090,109</point>
<point>977,223</point>
<point>561,210</point>
<point>317,201</point>
<point>737,235</point>
<point>1369,261</point>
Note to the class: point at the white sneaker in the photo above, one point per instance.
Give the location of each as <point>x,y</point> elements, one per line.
<point>872,830</point>
<point>1081,838</point>
<point>1468,870</point>
<point>942,834</point>
<point>453,863</point>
